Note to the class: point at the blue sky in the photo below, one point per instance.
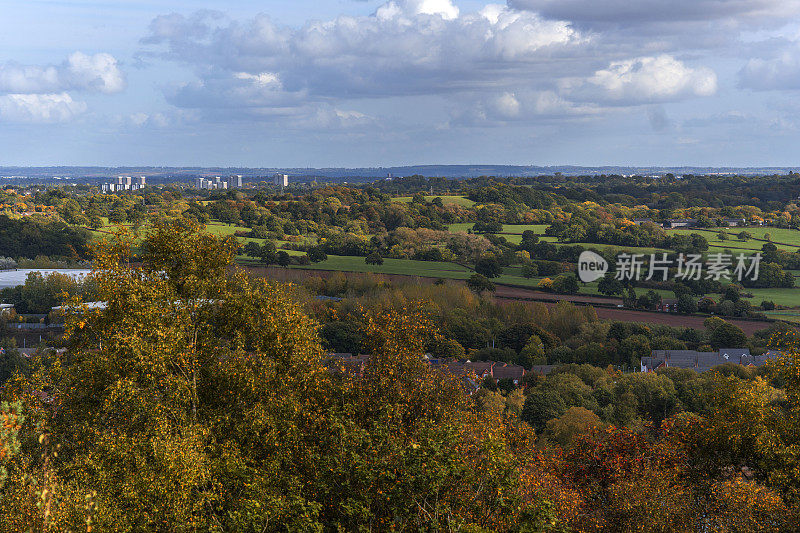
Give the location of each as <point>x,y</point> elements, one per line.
<point>369,83</point>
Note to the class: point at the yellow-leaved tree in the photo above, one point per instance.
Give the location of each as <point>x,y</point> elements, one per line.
<point>193,398</point>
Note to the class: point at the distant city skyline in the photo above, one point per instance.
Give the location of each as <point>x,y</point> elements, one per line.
<point>361,83</point>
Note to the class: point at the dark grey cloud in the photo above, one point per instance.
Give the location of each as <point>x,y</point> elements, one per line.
<point>658,119</point>
<point>624,12</point>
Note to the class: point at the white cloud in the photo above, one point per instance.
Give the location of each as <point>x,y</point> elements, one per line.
<point>522,106</point>
<point>264,79</point>
<point>442,8</point>
<point>650,79</point>
<point>329,118</point>
<point>39,108</point>
<point>156,120</point>
<point>507,105</point>
<point>407,47</point>
<point>779,72</point>
<point>98,73</point>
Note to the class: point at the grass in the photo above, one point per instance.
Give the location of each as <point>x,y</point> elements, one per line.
<point>457,200</point>
<point>789,316</point>
<point>516,239</point>
<point>784,239</point>
<point>224,230</point>
<point>783,235</point>
<point>460,227</point>
<point>408,267</point>
<point>517,229</point>
<point>782,297</point>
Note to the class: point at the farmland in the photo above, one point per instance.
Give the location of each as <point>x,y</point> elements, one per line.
<point>457,200</point>
<point>784,239</point>
<point>404,267</point>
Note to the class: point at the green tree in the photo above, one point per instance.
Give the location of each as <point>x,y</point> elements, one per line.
<point>374,259</point>
<point>687,304</point>
<point>727,335</point>
<point>489,267</point>
<point>566,284</point>
<point>316,254</point>
<point>530,270</point>
<point>575,421</point>
<point>478,284</point>
<point>610,285</point>
<point>283,258</point>
<point>633,348</point>
<point>541,406</point>
<point>269,253</point>
<point>252,249</point>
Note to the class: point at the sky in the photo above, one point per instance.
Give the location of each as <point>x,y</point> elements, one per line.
<point>355,83</point>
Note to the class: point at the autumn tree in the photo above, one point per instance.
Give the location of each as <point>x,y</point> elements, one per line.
<point>195,398</point>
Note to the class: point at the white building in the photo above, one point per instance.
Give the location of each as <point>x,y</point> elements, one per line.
<point>281,180</point>
<point>125,183</point>
<point>217,183</point>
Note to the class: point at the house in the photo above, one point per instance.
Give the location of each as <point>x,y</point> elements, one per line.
<point>667,305</point>
<point>506,371</point>
<point>703,361</point>
<point>6,308</point>
<point>680,223</point>
<point>542,370</point>
<point>638,221</point>
<point>482,369</point>
<point>733,222</point>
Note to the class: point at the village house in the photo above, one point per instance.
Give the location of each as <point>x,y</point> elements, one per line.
<point>734,222</point>
<point>673,223</point>
<point>703,361</point>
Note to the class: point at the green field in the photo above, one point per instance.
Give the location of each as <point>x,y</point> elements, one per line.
<point>457,200</point>
<point>406,267</point>
<point>223,230</point>
<point>508,229</point>
<point>518,229</point>
<point>784,239</point>
<point>782,297</point>
<point>460,227</point>
<point>517,239</point>
<point>786,236</point>
<point>789,316</point>
<point>107,229</point>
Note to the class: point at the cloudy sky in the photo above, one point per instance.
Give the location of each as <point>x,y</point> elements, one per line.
<point>367,83</point>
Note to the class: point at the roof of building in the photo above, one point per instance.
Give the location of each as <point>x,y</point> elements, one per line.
<point>506,371</point>
<point>703,361</point>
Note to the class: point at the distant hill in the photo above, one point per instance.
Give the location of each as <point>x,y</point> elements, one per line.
<point>167,174</point>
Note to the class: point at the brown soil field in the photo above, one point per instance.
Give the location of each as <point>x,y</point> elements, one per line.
<point>624,315</point>
<point>292,274</point>
<point>505,292</point>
